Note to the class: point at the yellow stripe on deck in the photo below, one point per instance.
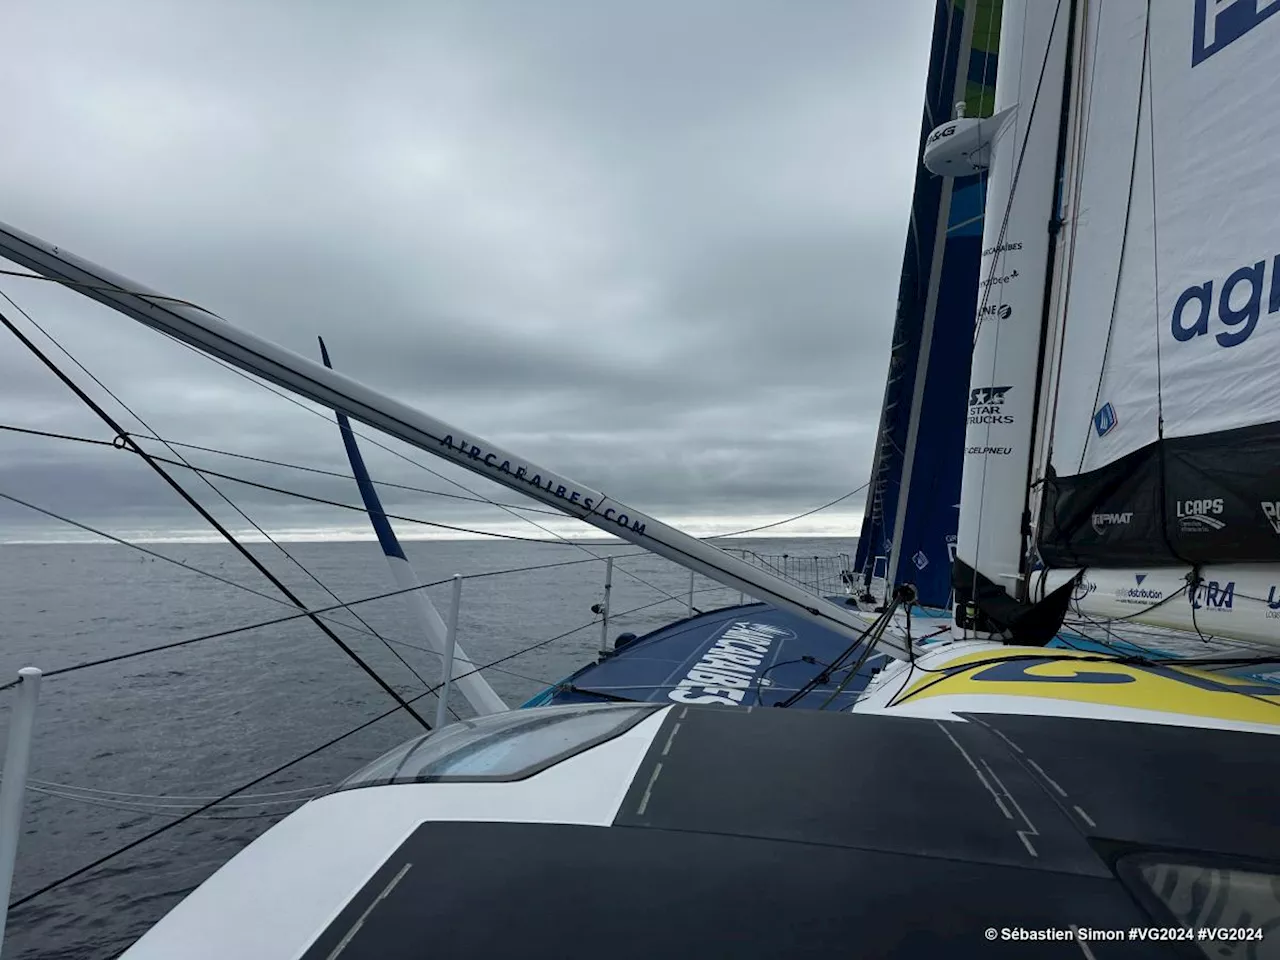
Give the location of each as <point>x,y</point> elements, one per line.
<point>1031,672</point>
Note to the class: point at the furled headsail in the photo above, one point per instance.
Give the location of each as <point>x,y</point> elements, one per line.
<point>911,513</point>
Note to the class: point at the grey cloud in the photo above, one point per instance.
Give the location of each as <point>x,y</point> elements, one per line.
<point>652,246</point>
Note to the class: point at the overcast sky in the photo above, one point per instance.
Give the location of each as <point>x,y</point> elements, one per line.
<point>652,246</point>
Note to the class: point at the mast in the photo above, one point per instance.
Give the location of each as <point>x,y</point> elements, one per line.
<point>1002,399</point>
<point>342,394</point>
<point>911,504</point>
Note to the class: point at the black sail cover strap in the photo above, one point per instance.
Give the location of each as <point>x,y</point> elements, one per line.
<point>1028,624</point>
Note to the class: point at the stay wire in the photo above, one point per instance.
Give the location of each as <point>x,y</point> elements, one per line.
<point>435,473</point>
<point>138,811</point>
<point>119,444</point>
<point>344,506</point>
<point>799,516</point>
<point>80,871</point>
<point>79,285</point>
<point>1161,446</point>
<point>108,288</point>
<point>229,582</point>
<point>873,630</point>
<point>346,476</point>
<point>861,661</point>
<point>182,461</point>
<point>213,521</point>
<point>381,483</point>
<point>311,612</point>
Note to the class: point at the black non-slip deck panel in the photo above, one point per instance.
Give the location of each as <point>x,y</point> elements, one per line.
<point>1179,787</point>
<point>894,784</point>
<point>498,890</point>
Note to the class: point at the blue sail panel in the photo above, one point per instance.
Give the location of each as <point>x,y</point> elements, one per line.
<point>911,514</point>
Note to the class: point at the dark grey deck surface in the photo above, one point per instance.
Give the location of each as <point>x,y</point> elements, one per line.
<point>776,833</point>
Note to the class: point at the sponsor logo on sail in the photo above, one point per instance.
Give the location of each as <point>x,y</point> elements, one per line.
<point>1219,23</point>
<point>951,547</point>
<point>1271,510</point>
<point>1084,587</point>
<point>729,667</point>
<point>1197,516</point>
<point>1105,420</point>
<point>1138,594</point>
<point>1100,521</point>
<point>1273,603</point>
<point>1214,596</point>
<point>998,311</point>
<point>1002,248</point>
<point>1239,304</point>
<point>920,559</point>
<point>989,451</point>
<point>990,281</point>
<point>986,405</point>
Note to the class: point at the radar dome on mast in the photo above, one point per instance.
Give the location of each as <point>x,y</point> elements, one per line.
<point>961,147</point>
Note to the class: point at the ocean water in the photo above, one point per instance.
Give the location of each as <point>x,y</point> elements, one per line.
<point>136,740</point>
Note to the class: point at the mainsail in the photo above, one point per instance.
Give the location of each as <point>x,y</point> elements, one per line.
<point>1165,445</point>
<point>1129,406</point>
<point>1159,459</point>
<point>911,514</point>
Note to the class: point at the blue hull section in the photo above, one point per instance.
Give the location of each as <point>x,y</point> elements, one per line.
<point>749,655</point>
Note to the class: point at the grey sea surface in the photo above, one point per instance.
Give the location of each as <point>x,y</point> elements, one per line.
<point>125,747</point>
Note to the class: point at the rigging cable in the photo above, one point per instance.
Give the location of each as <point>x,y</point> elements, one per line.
<point>871,634</point>
<point>116,444</point>
<point>213,521</point>
<point>120,444</point>
<point>559,538</point>
<point>798,516</point>
<point>1162,457</point>
<point>236,507</point>
<point>201,809</point>
<point>1029,539</point>
<point>266,596</point>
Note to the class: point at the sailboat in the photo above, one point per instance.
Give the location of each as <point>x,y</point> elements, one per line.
<point>986,789</point>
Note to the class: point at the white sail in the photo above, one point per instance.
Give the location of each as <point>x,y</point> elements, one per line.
<point>1016,238</point>
<point>1162,446</point>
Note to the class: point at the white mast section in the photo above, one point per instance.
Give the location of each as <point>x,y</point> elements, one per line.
<point>341,393</point>
<point>1015,248</point>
